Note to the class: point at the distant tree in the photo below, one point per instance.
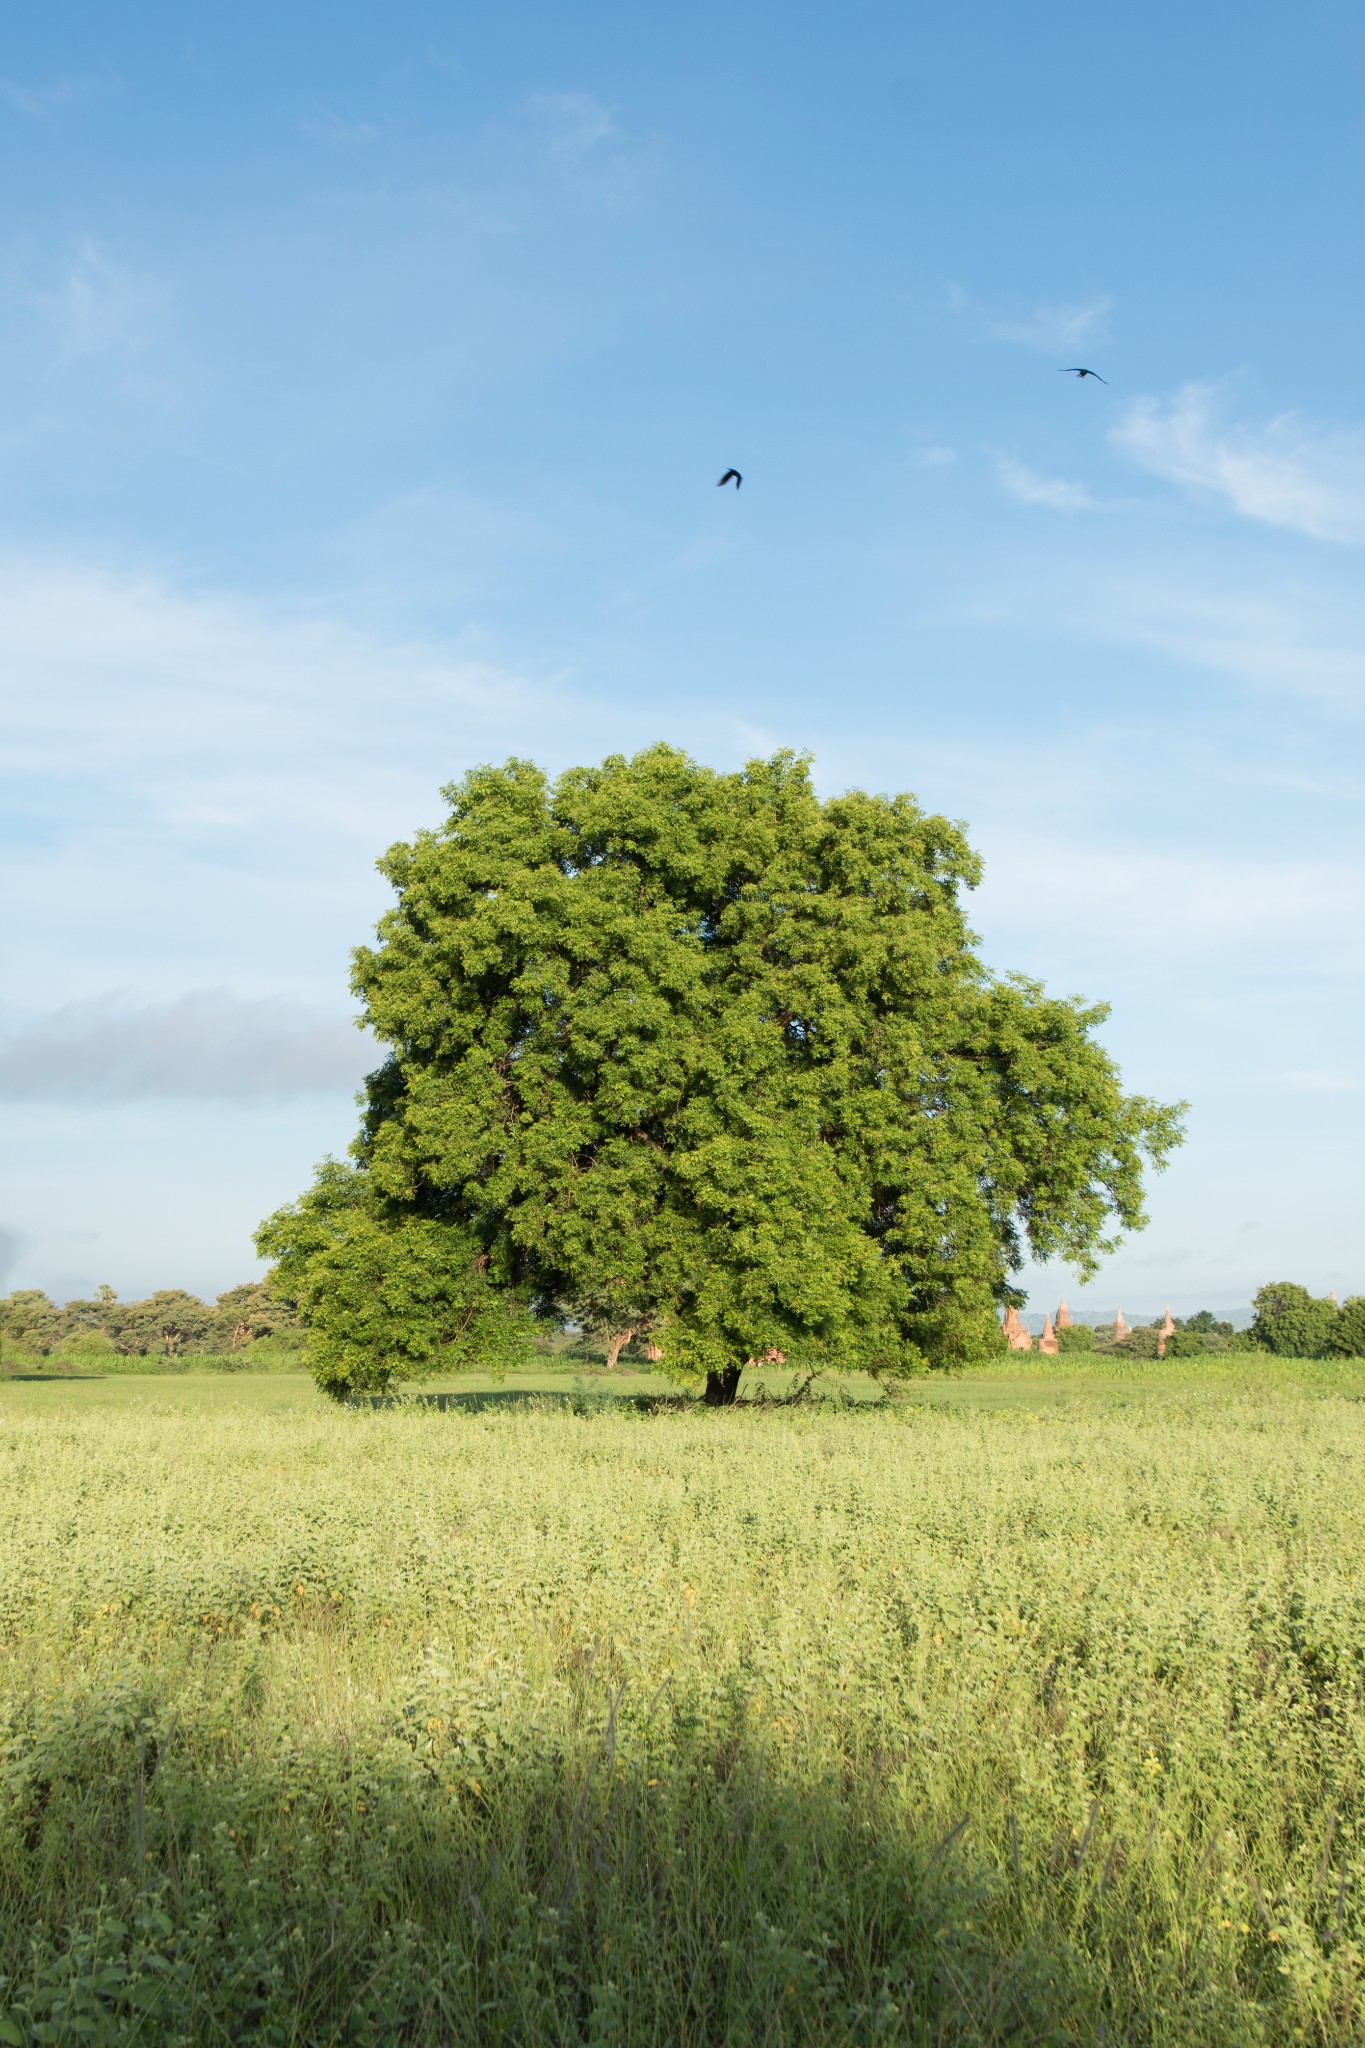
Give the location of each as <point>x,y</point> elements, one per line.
<point>613,1325</point>
<point>1348,1337</point>
<point>1204,1323</point>
<point>168,1322</point>
<point>251,1312</point>
<point>1075,1337</point>
<point>32,1322</point>
<point>720,1058</point>
<point>98,1316</point>
<point>1141,1342</point>
<point>1292,1322</point>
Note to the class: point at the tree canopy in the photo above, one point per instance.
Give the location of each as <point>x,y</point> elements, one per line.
<point>701,1055</point>
<point>1296,1324</point>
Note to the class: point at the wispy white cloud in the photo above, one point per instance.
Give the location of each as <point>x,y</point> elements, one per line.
<point>1304,637</point>
<point>100,305</point>
<point>40,101</point>
<point>1031,489</point>
<point>108,667</point>
<point>1286,472</point>
<point>1304,641</point>
<point>935,458</point>
<point>206,1045</point>
<point>170,754</point>
<point>328,126</point>
<point>575,121</point>
<point>1053,328</point>
<point>1177,906</point>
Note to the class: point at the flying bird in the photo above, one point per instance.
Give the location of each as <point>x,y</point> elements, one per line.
<point>1076,371</point>
<point>731,476</point>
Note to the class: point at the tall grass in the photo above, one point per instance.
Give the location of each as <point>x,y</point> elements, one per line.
<point>918,1724</point>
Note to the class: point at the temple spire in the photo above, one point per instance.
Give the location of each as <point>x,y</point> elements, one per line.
<point>1016,1335</point>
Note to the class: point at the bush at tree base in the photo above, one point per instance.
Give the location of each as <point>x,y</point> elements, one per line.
<point>388,1299</point>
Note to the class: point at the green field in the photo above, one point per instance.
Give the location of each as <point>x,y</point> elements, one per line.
<point>1026,1708</point>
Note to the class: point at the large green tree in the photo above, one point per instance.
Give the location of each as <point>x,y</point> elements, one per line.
<point>702,1056</point>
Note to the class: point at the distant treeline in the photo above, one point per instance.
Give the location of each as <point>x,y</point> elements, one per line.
<point>1195,1336</point>
<point>169,1323</point>
<point>1288,1321</point>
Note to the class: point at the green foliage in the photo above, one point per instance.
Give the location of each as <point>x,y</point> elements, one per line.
<point>911,1724</point>
<point>169,1321</point>
<point>254,1314</point>
<point>1204,1323</point>
<point>1075,1337</point>
<point>90,1347</point>
<point>30,1321</point>
<point>1348,1337</point>
<point>386,1299</point>
<point>1200,1335</point>
<point>701,1055</point>
<point>1293,1323</point>
<point>1141,1342</point>
<point>1188,1343</point>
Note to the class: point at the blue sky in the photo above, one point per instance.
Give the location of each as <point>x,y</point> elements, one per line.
<point>367,375</point>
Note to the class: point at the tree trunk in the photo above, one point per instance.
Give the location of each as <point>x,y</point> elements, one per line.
<point>616,1344</point>
<point>722,1387</point>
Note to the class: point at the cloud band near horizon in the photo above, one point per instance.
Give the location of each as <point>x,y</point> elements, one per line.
<point>206,1045</point>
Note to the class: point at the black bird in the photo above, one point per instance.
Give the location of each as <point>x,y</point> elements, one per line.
<point>731,476</point>
<point>1077,371</point>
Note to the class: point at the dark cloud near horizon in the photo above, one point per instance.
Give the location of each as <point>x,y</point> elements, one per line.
<point>206,1045</point>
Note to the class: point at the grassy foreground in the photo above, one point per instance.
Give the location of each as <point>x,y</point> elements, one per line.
<point>985,1717</point>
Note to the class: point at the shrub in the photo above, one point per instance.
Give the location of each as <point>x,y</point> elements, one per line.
<point>90,1347</point>
<point>1076,1337</point>
<point>1191,1344</point>
<point>1141,1342</point>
